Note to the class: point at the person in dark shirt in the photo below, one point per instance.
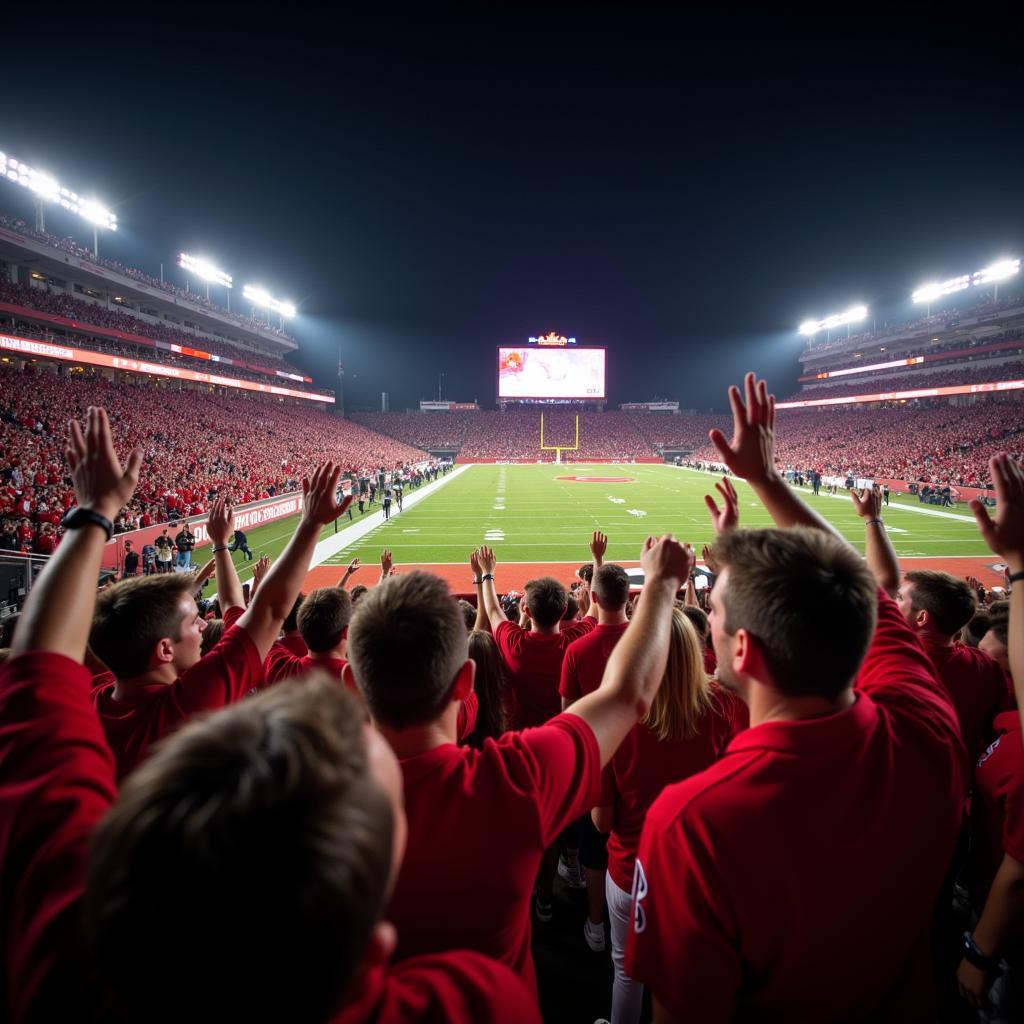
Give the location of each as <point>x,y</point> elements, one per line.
<point>131,561</point>
<point>241,543</point>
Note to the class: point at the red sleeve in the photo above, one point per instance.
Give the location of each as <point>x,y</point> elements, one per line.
<point>230,671</point>
<point>898,676</point>
<point>683,942</point>
<point>565,768</point>
<point>578,629</point>
<point>56,782</point>
<point>568,683</point>
<point>509,638</point>
<point>280,664</point>
<point>467,715</point>
<point>232,615</point>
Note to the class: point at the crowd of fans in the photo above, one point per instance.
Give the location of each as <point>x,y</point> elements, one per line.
<point>195,445</point>
<point>768,807</point>
<point>70,246</point>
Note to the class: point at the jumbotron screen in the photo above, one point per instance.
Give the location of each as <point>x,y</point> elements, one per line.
<point>541,372</point>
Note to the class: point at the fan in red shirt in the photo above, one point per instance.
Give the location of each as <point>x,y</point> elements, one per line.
<point>937,606</point>
<point>408,654</point>
<point>687,729</point>
<point>148,630</point>
<point>757,881</point>
<point>323,625</point>
<point>179,861</point>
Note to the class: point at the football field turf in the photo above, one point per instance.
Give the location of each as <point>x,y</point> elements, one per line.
<point>541,514</point>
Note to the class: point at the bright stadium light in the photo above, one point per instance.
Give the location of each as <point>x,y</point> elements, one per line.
<point>202,267</point>
<point>996,272</point>
<point>47,189</point>
<point>928,293</point>
<point>854,315</point>
<point>990,275</point>
<point>261,297</point>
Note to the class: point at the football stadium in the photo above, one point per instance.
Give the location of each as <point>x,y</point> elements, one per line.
<point>364,610</point>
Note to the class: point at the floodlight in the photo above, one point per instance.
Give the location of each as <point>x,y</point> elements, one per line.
<point>261,297</point>
<point>998,271</point>
<point>853,315</point>
<point>203,268</point>
<point>930,292</point>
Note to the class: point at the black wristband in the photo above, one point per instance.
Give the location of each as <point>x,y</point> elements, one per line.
<point>477,580</point>
<point>974,954</point>
<point>223,547</point>
<point>876,522</point>
<point>1015,577</point>
<point>487,576</point>
<point>77,517</point>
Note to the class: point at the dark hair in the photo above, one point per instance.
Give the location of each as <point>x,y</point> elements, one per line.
<point>572,608</point>
<point>972,633</point>
<point>999,621</point>
<point>357,592</point>
<point>699,620</point>
<point>490,686</point>
<point>211,636</point>
<point>808,600</point>
<point>586,572</point>
<point>546,600</point>
<point>611,585</point>
<point>949,601</point>
<point>323,617</point>
<point>406,645</point>
<point>171,868</point>
<point>468,613</point>
<point>132,616</point>
<point>291,622</point>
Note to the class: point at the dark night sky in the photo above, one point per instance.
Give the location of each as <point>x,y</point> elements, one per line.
<point>683,191</point>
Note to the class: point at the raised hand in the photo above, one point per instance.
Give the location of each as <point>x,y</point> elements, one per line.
<point>728,516</point>
<point>101,483</point>
<point>387,564</point>
<point>868,502</point>
<point>664,558</point>
<point>487,559</point>
<point>353,567</point>
<point>598,546</point>
<point>319,495</point>
<point>751,452</point>
<point>474,564</point>
<point>1004,534</point>
<point>259,570</point>
<point>221,523</point>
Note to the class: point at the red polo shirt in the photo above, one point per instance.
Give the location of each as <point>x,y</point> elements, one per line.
<point>585,660</point>
<point>997,805</point>
<point>758,880</point>
<point>644,765</point>
<point>977,687</point>
<point>230,671</point>
<point>282,664</point>
<point>468,807</point>
<point>534,664</point>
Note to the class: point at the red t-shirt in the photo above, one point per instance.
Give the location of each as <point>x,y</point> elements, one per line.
<point>757,880</point>
<point>466,807</point>
<point>585,659</point>
<point>534,664</point>
<point>459,987</point>
<point>295,644</point>
<point>644,765</point>
<point>282,664</point>
<point>56,782</point>
<point>997,805</point>
<point>977,687</point>
<point>230,671</point>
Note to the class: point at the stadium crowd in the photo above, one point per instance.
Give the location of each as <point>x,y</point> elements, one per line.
<point>790,839</point>
<point>196,445</point>
<point>909,380</point>
<point>72,248</point>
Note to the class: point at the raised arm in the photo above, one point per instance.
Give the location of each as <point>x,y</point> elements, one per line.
<point>219,528</point>
<point>1005,536</point>
<point>637,664</point>
<point>387,564</point>
<point>259,574</point>
<point>881,556</point>
<point>492,606</point>
<point>751,455</point>
<point>275,597</point>
<point>482,622</point>
<point>353,568</point>
<point>205,573</point>
<point>598,547</point>
<point>58,613</point>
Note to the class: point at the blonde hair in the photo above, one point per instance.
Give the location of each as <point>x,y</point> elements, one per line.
<point>685,693</point>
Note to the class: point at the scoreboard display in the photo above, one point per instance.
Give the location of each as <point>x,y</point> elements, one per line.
<point>529,372</point>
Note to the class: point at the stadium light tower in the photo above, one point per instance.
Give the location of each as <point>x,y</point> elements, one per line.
<point>206,271</point>
<point>46,189</point>
<point>990,275</point>
<point>996,272</point>
<point>259,296</point>
<point>854,315</point>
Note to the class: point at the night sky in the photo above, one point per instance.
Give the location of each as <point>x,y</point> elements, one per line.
<point>684,191</point>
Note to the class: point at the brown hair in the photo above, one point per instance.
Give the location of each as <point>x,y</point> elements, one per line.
<point>572,608</point>
<point>468,613</point>
<point>323,617</point>
<point>611,585</point>
<point>808,600</point>
<point>291,622</point>
<point>132,616</point>
<point>546,598</point>
<point>699,620</point>
<point>357,592</point>
<point>261,820</point>
<point>490,685</point>
<point>950,602</point>
<point>406,644</point>
<point>211,636</point>
<point>685,694</point>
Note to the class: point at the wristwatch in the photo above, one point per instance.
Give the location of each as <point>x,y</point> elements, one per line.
<point>78,517</point>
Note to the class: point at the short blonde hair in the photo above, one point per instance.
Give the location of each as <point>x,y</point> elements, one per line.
<point>685,692</point>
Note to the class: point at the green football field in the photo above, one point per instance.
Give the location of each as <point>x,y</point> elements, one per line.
<point>545,513</point>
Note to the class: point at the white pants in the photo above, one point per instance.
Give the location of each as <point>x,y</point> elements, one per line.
<point>627,994</point>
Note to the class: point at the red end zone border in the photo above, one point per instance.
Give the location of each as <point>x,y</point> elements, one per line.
<point>514,575</point>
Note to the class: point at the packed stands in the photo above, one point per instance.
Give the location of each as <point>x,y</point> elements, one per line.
<point>194,443</point>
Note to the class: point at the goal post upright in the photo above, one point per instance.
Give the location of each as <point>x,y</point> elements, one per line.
<point>559,448</point>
